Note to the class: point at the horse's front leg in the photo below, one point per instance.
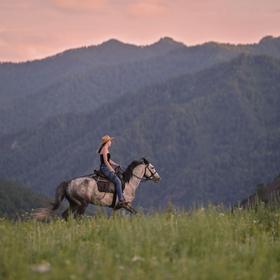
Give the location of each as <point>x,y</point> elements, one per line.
<point>127,207</point>
<point>114,211</point>
<point>81,210</point>
<point>131,209</point>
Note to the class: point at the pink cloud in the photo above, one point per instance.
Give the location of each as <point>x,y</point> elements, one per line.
<point>147,8</point>
<point>78,5</point>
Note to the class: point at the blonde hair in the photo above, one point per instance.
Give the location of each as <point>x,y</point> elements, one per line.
<point>106,138</point>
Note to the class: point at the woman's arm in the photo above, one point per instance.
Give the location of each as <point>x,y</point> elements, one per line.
<point>114,163</point>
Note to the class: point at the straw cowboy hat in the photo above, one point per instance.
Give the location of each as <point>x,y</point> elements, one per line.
<point>105,139</point>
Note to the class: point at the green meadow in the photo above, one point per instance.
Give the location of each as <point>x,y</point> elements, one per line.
<point>210,243</point>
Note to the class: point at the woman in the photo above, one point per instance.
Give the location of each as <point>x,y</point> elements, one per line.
<point>107,166</point>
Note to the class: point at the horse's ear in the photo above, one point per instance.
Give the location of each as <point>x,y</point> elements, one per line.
<point>145,160</point>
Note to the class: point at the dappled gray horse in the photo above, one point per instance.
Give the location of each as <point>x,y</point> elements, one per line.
<point>84,190</point>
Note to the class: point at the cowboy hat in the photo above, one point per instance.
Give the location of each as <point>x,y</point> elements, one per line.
<point>106,138</point>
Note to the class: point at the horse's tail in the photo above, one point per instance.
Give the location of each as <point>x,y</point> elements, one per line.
<point>43,214</point>
<point>59,195</point>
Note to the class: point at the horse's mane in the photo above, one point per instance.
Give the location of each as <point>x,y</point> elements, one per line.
<point>128,172</point>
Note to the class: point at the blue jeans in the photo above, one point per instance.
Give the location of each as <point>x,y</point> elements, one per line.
<point>114,179</point>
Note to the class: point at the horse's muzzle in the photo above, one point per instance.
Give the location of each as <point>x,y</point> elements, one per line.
<point>157,179</point>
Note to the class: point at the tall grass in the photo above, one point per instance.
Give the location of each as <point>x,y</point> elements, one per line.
<point>202,244</point>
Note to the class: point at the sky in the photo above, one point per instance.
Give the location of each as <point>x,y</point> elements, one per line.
<point>33,29</point>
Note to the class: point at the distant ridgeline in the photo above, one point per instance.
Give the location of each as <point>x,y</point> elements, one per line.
<point>206,116</point>
<point>266,193</point>
<point>16,199</point>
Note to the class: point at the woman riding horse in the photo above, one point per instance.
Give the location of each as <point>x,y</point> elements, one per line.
<point>106,167</point>
<point>81,191</point>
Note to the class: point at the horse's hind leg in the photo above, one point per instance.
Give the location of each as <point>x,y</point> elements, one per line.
<point>71,209</point>
<point>65,214</point>
<point>81,209</point>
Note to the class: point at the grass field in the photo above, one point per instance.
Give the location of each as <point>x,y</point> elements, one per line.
<point>202,244</point>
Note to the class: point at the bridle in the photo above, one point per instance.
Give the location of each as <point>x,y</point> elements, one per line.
<point>146,178</point>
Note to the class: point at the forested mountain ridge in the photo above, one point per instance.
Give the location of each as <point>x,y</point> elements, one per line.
<point>80,80</point>
<point>16,199</point>
<point>267,193</point>
<point>213,135</point>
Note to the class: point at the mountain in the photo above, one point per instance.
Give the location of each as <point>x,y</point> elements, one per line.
<point>16,199</point>
<point>51,70</point>
<point>80,80</point>
<point>212,135</point>
<point>165,45</point>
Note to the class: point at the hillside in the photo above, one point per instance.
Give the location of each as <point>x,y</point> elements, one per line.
<point>213,136</point>
<point>81,80</point>
<point>16,199</point>
<point>268,193</point>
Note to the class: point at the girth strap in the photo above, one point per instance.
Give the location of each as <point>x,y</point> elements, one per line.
<point>113,205</point>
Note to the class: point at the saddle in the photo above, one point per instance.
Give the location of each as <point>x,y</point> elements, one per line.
<point>104,184</point>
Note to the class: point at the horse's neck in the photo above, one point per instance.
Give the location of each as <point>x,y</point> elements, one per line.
<point>134,181</point>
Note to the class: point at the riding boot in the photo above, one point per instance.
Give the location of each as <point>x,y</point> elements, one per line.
<point>122,203</point>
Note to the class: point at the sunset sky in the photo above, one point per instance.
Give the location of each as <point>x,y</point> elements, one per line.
<point>31,29</point>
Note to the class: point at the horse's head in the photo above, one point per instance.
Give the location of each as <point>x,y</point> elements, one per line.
<point>150,171</point>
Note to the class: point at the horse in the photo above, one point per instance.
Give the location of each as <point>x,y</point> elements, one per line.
<point>82,191</point>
